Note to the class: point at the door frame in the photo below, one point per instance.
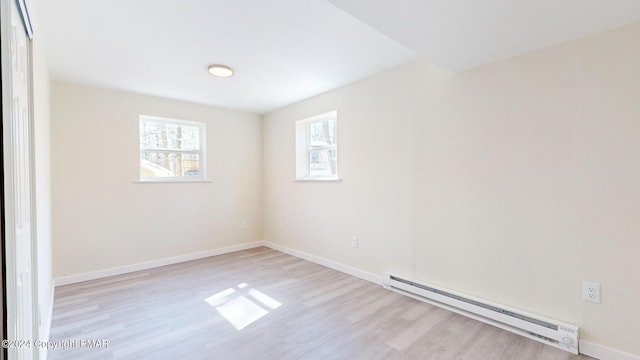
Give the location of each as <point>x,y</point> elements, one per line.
<point>7,250</point>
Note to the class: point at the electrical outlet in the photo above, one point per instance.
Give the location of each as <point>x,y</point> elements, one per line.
<point>591,292</point>
<point>280,225</point>
<point>354,241</point>
<point>244,225</point>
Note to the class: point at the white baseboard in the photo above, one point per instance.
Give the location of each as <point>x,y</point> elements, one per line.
<point>72,279</point>
<point>604,353</point>
<point>586,347</point>
<point>376,279</point>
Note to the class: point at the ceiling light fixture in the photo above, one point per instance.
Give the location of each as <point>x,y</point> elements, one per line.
<point>220,70</point>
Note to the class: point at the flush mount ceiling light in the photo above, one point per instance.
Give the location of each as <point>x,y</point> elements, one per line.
<point>220,70</point>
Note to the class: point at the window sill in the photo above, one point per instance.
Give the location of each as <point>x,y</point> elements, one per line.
<point>171,181</point>
<point>318,180</point>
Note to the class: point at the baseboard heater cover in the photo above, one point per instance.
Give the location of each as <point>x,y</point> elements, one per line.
<point>551,332</point>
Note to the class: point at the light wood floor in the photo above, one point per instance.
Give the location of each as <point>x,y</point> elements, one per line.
<point>263,304</point>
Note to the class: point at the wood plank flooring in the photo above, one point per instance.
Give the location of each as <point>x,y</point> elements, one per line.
<point>263,304</point>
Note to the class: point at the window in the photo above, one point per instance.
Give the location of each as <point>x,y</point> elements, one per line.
<point>172,150</point>
<point>317,147</point>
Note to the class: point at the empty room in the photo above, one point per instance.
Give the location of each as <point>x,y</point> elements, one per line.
<point>321,179</point>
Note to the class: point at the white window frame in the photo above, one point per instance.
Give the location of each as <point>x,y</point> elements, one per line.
<point>303,147</point>
<point>202,152</point>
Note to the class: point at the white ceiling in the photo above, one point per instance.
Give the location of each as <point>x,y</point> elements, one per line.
<point>283,51</point>
<point>461,34</point>
<point>288,50</point>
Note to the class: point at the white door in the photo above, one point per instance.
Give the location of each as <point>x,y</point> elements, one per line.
<point>18,182</point>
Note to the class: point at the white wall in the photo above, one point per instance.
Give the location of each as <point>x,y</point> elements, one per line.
<point>42,176</point>
<point>374,200</point>
<point>103,219</point>
<point>513,182</point>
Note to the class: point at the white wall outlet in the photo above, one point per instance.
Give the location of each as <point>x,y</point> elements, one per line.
<point>591,292</point>
<point>354,241</point>
<point>244,224</point>
<point>280,225</point>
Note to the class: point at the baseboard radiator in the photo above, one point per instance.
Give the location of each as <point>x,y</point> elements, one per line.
<point>551,332</point>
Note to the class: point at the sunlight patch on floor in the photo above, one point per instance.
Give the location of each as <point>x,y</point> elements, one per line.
<point>241,306</point>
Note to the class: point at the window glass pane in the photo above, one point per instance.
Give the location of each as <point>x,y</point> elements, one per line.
<point>331,128</point>
<point>183,137</point>
<point>314,157</point>
<point>171,148</point>
<point>322,162</point>
<point>160,135</point>
<point>190,165</point>
<point>191,138</point>
<point>316,147</point>
<point>151,134</point>
<point>168,164</point>
<point>322,133</point>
